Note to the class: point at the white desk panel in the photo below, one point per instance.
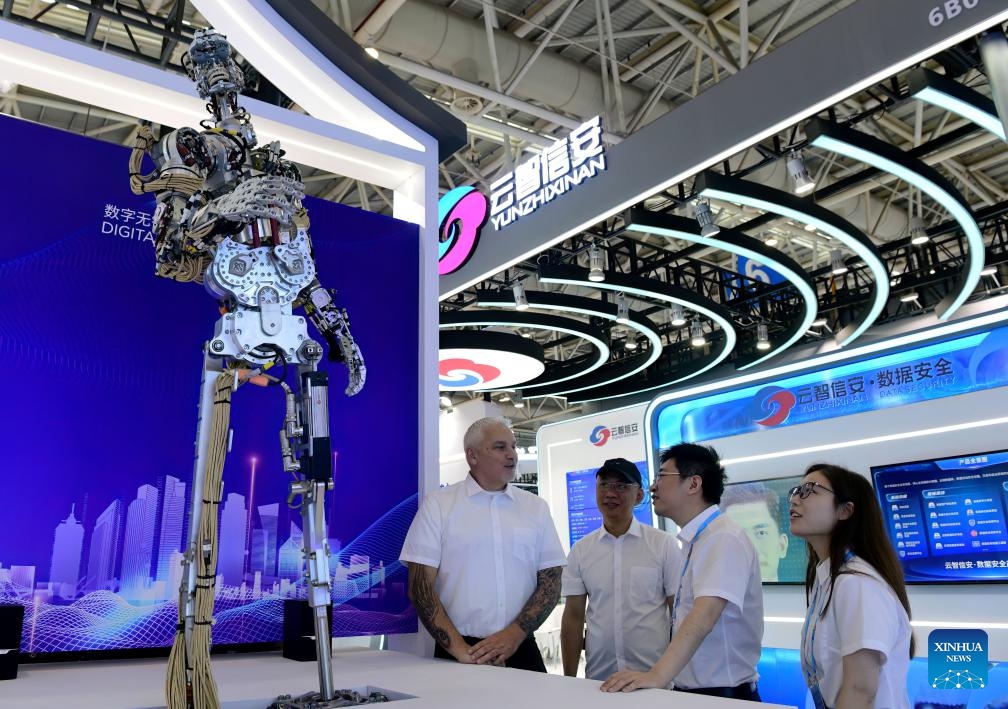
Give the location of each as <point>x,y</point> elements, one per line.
<point>247,681</point>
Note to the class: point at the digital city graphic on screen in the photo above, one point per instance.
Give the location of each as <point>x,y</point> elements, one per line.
<point>761,509</point>
<point>583,516</point>
<point>947,517</point>
<point>103,377</point>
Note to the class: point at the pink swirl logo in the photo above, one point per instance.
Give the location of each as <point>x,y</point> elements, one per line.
<point>599,436</point>
<point>460,372</point>
<point>462,212</point>
<point>773,405</point>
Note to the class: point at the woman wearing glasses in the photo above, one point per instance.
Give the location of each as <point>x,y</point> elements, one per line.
<point>856,639</point>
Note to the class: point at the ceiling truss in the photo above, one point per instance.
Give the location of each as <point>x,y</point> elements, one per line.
<point>641,58</point>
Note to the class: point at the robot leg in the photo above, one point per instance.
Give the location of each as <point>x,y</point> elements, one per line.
<point>189,682</point>
<point>316,552</point>
<point>309,436</point>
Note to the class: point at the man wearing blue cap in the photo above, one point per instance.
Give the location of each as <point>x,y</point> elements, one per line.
<point>625,573</point>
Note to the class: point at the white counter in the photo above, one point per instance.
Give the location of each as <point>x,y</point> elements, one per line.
<point>247,681</point>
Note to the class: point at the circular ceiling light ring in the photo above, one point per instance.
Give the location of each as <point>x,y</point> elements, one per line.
<point>553,373</point>
<point>590,307</point>
<point>655,290</point>
<point>736,242</point>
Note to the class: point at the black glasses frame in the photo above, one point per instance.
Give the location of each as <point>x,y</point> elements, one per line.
<point>806,489</point>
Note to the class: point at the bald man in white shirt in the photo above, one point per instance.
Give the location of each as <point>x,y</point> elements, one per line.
<point>484,559</point>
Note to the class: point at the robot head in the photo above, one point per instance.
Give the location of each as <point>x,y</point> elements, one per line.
<point>211,67</point>
<point>219,79</point>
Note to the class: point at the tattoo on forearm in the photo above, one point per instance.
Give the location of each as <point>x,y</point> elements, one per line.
<point>542,602</point>
<point>427,604</point>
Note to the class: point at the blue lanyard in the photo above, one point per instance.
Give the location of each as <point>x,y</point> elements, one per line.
<point>809,668</point>
<point>682,575</point>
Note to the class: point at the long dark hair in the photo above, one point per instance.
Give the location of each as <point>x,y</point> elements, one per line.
<point>863,533</point>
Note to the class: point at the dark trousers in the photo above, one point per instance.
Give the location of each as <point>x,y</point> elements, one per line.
<point>526,657</point>
<point>743,691</point>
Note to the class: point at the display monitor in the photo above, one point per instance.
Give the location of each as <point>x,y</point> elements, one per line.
<point>946,516</point>
<point>761,509</point>
<point>583,516</point>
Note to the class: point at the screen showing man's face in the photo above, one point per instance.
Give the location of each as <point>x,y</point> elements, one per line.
<point>771,544</point>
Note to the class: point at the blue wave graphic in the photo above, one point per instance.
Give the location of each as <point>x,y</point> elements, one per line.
<point>102,620</point>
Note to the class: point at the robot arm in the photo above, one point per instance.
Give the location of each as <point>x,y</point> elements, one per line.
<point>334,324</point>
<point>201,197</point>
<point>180,167</point>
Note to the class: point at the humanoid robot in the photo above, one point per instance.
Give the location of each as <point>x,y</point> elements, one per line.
<point>229,214</point>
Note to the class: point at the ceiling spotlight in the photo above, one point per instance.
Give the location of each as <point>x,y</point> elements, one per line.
<point>519,400</point>
<point>810,227</point>
<point>521,302</point>
<point>371,52</point>
<point>988,270</point>
<point>818,322</point>
<point>622,309</point>
<point>697,338</point>
<point>918,232</point>
<point>596,272</point>
<point>837,265</point>
<point>705,218</point>
<point>445,401</point>
<point>801,182</point>
<point>909,297</point>
<point>678,316</point>
<point>631,343</point>
<point>771,240</point>
<point>762,337</point>
<point>504,397</point>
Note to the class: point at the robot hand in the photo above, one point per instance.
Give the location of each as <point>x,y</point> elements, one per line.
<point>259,197</point>
<point>334,325</point>
<point>343,348</point>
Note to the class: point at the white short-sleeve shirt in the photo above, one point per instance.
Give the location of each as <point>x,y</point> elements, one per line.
<point>722,563</point>
<point>863,614</point>
<point>627,580</point>
<point>487,547</point>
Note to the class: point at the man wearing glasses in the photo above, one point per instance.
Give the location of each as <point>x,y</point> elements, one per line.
<point>717,615</point>
<point>625,573</point>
